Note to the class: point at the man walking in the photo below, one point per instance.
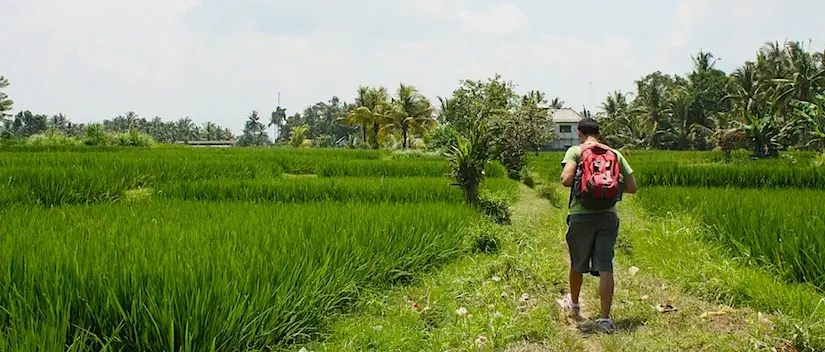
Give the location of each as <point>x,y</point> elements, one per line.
<point>597,176</point>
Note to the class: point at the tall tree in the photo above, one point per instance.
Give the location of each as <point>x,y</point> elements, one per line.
<point>254,132</point>
<point>5,102</point>
<point>410,112</point>
<point>276,121</point>
<point>370,113</point>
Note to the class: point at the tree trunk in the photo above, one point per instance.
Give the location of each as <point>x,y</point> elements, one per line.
<point>404,135</point>
<point>471,191</point>
<point>375,128</point>
<point>364,131</point>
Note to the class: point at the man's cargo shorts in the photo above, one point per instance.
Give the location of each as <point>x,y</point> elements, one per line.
<point>591,238</point>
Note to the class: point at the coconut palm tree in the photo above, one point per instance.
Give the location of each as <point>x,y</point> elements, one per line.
<point>557,103</point>
<point>371,111</point>
<point>409,112</point>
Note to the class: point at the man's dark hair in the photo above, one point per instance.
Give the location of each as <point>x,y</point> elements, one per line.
<point>589,127</point>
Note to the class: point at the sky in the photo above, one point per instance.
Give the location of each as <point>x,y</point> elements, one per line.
<point>217,60</point>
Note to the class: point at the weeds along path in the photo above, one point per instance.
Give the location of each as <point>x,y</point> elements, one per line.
<point>507,302</point>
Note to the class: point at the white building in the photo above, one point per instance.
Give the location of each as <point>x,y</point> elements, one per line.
<point>565,122</point>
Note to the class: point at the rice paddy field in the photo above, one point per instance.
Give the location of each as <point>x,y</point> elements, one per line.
<point>174,249</point>
<point>186,249</point>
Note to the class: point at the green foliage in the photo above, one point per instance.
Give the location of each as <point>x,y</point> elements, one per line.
<point>515,124</point>
<point>298,135</point>
<point>485,239</point>
<point>771,228</point>
<point>254,132</point>
<point>819,161</point>
<point>770,101</point>
<point>323,141</point>
<point>468,159</point>
<point>443,137</point>
<point>52,137</point>
<point>133,138</point>
<point>549,193</point>
<point>171,275</point>
<point>315,189</point>
<point>5,103</point>
<point>496,207</point>
<point>528,180</point>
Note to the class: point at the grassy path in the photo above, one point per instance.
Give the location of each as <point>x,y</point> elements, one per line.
<point>506,302</point>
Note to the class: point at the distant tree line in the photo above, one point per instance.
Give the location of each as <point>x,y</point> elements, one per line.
<point>772,103</point>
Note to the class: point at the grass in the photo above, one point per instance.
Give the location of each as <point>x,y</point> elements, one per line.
<point>775,229</point>
<point>429,315</point>
<point>510,296</point>
<point>260,249</point>
<point>675,248</point>
<point>77,176</point>
<point>350,189</point>
<point>175,275</point>
<point>707,169</point>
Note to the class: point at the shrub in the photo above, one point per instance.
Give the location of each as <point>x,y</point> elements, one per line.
<point>133,138</point>
<point>549,193</point>
<point>528,180</point>
<point>819,161</point>
<point>468,158</point>
<point>52,137</point>
<point>323,141</point>
<point>495,206</point>
<point>485,239</point>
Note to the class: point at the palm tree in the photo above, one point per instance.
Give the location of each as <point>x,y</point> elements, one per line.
<point>704,61</point>
<point>409,112</point>
<point>185,130</point>
<point>557,103</point>
<point>5,102</point>
<point>298,135</point>
<point>276,120</point>
<point>679,119</point>
<point>60,122</point>
<point>372,110</point>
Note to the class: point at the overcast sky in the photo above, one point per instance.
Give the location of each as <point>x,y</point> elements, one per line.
<point>219,59</point>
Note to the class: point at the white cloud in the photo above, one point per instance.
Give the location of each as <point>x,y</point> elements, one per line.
<point>93,59</point>
<point>499,20</point>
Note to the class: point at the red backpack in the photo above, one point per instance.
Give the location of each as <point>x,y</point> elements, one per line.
<point>598,173</point>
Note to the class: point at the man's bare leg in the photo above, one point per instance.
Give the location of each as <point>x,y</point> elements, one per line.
<point>605,291</point>
<point>575,285</point>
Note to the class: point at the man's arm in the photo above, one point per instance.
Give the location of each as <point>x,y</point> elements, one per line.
<point>629,181</point>
<point>570,164</point>
<point>630,185</point>
<point>568,174</point>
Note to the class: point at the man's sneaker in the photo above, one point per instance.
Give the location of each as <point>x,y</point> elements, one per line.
<point>573,310</point>
<point>606,325</point>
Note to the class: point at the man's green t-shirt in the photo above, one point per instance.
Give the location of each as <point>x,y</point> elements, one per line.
<point>573,155</point>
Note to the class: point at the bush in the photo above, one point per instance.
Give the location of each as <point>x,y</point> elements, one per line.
<point>50,138</point>
<point>549,193</point>
<point>133,138</point>
<point>528,180</point>
<point>323,141</point>
<point>495,206</point>
<point>819,161</point>
<point>485,239</point>
<point>443,137</point>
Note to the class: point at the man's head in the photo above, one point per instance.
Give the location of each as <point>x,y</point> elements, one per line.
<point>588,127</point>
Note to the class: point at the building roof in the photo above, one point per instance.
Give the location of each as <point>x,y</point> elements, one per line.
<point>565,115</point>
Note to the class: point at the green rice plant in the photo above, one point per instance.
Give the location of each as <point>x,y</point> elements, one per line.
<point>346,189</point>
<point>753,175</point>
<point>777,229</point>
<point>188,276</point>
<point>384,168</point>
